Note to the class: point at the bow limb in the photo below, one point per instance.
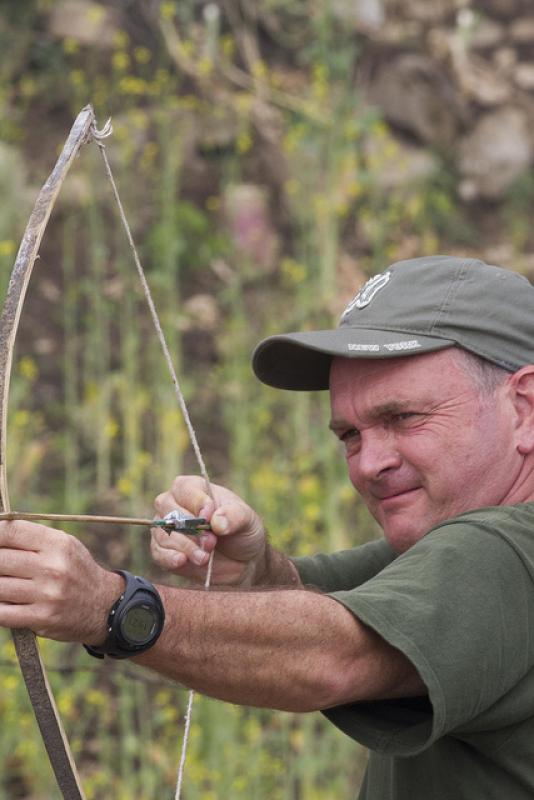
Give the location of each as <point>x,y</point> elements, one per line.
<point>25,642</point>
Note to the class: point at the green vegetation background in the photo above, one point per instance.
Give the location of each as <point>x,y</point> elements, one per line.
<point>257,206</point>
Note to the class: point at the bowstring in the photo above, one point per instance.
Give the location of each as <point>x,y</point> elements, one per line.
<point>99,136</point>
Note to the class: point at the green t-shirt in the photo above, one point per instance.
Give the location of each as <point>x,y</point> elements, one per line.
<point>460,605</point>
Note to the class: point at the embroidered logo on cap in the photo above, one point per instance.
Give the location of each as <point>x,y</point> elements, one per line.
<point>367,292</point>
<point>406,344</point>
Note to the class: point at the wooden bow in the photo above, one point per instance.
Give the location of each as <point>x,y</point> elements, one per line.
<point>25,642</point>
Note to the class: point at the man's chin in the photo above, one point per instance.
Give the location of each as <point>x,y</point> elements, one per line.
<point>401,542</point>
<point>402,534</point>
<point>402,526</point>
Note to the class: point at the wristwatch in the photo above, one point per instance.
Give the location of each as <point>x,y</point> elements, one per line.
<point>135,620</point>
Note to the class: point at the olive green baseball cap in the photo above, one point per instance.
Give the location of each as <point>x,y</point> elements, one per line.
<point>416,306</point>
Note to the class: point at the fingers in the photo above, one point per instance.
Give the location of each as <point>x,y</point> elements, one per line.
<point>174,551</point>
<point>19,563</point>
<point>18,616</point>
<point>189,493</point>
<point>16,590</point>
<point>177,552</point>
<point>25,535</point>
<point>234,517</point>
<point>236,533</point>
<point>227,515</point>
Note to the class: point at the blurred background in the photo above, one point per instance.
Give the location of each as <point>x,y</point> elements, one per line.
<point>270,156</point>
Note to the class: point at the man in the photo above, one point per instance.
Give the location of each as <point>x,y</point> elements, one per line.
<point>417,645</point>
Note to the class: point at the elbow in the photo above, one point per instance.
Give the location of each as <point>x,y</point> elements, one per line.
<point>317,690</point>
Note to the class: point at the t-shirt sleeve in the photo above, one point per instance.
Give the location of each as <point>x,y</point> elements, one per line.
<point>345,569</point>
<point>459,604</point>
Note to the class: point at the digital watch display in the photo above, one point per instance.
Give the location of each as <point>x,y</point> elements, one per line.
<point>138,624</point>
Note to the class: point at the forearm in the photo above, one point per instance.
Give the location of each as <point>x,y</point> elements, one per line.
<point>285,649</point>
<point>260,648</point>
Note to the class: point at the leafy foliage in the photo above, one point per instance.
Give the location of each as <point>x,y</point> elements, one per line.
<point>203,101</point>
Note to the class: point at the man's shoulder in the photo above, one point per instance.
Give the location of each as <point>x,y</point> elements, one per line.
<point>488,528</point>
<point>520,515</point>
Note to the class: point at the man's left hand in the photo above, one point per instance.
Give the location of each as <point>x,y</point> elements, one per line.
<point>50,583</point>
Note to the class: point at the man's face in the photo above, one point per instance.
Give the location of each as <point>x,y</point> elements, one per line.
<point>421,441</point>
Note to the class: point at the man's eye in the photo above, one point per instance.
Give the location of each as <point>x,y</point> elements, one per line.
<point>404,416</point>
<point>349,434</point>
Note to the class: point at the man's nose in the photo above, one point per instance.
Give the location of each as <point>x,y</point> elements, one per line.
<point>378,453</point>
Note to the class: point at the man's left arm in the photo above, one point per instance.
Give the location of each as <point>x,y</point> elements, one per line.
<point>289,649</point>
<point>293,649</point>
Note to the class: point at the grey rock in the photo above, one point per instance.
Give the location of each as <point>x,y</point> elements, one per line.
<point>524,76</point>
<point>86,22</point>
<point>413,93</point>
<point>426,11</point>
<point>396,164</point>
<point>367,14</point>
<point>505,9</point>
<point>494,153</point>
<point>522,30</point>
<point>485,33</point>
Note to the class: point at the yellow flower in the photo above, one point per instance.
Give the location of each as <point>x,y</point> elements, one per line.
<point>142,55</point>
<point>77,78</point>
<point>131,85</point>
<point>228,46</point>
<point>320,204</point>
<point>139,119</point>
<point>167,10</point>
<point>94,697</point>
<point>9,683</point>
<point>21,419</point>
<point>312,512</point>
<point>309,485</point>
<point>244,142</point>
<point>259,70</point>
<point>112,429</point>
<point>28,368</point>
<point>213,203</point>
<point>95,13</point>
<point>243,102</point>
<point>293,272</point>
<point>7,247</point>
<point>205,67</point>
<point>292,186</point>
<point>70,45</point>
<point>148,156</point>
<point>120,61</point>
<point>66,703</point>
<point>125,486</point>
<point>121,39</point>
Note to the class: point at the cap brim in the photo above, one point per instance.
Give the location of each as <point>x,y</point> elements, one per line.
<point>301,361</point>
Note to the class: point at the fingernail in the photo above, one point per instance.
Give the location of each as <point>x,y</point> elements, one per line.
<point>199,557</point>
<point>221,522</point>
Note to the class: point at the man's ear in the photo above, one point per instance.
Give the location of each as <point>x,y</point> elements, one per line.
<point>521,384</point>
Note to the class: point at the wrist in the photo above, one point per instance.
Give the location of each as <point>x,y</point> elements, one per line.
<point>108,593</point>
<point>274,569</point>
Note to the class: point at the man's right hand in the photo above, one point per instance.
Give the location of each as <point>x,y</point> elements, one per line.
<point>237,535</point>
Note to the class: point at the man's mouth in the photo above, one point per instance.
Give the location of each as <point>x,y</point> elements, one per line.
<point>390,495</point>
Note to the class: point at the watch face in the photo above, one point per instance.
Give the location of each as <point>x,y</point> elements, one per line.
<point>138,624</point>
